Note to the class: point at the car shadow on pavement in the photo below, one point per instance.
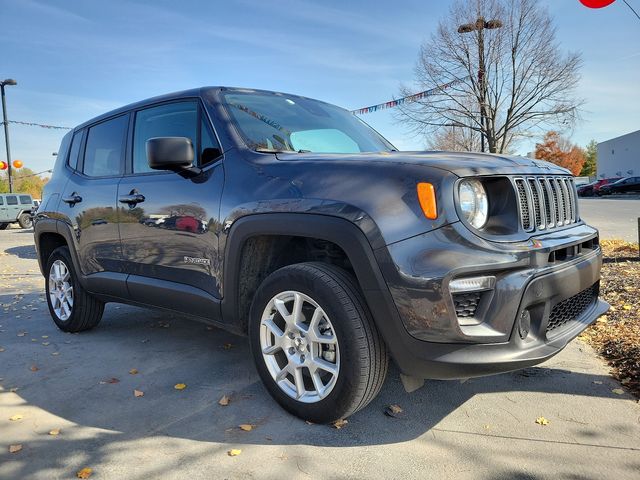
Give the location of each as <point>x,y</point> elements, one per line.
<point>75,382</point>
<point>23,251</point>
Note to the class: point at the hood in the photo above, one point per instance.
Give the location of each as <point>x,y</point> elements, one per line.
<point>463,164</point>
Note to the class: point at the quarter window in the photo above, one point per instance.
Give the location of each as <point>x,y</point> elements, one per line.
<point>26,200</point>
<point>12,200</point>
<point>75,150</point>
<point>105,145</point>
<point>170,120</point>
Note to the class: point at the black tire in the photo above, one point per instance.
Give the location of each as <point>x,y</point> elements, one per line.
<point>25,220</point>
<point>362,352</point>
<point>86,311</point>
<point>3,226</point>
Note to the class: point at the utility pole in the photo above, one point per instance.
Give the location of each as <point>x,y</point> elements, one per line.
<point>8,81</point>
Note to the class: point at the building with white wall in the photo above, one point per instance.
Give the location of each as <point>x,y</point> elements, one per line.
<point>620,156</point>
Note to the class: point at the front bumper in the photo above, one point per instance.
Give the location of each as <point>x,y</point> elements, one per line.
<point>538,276</point>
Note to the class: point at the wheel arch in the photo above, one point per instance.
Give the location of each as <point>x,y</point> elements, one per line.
<point>324,228</point>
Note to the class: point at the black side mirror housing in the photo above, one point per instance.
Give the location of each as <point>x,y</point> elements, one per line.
<point>170,153</point>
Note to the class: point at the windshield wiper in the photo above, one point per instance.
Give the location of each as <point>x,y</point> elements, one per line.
<point>273,150</point>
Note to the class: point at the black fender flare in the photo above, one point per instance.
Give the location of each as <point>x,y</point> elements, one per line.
<point>334,229</point>
<point>51,225</point>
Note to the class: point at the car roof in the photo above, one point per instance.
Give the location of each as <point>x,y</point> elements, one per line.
<point>190,93</point>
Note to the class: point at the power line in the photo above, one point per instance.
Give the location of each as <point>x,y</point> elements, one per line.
<point>32,124</point>
<point>634,12</point>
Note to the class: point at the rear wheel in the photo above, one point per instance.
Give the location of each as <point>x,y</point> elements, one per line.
<point>314,343</point>
<point>25,220</point>
<point>71,307</point>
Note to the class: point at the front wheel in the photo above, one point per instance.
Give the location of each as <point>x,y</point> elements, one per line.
<point>314,342</point>
<point>25,220</point>
<point>3,226</point>
<point>72,308</point>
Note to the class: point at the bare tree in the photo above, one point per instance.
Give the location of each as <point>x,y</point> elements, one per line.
<point>497,70</point>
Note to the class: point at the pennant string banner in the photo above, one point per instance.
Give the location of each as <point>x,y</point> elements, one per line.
<point>408,99</point>
<point>31,124</point>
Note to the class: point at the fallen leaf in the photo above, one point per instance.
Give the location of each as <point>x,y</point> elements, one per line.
<point>597,382</point>
<point>15,448</point>
<point>22,334</point>
<point>1,349</point>
<point>393,411</point>
<point>84,473</point>
<point>227,346</point>
<point>111,380</point>
<point>55,432</point>
<point>34,368</point>
<point>133,371</point>
<point>627,307</point>
<point>338,424</point>
<point>45,344</point>
<point>308,422</point>
<point>55,354</point>
<point>247,427</point>
<point>180,386</point>
<point>138,393</point>
<point>542,421</point>
<point>234,452</point>
<point>45,336</point>
<point>618,391</point>
<point>224,401</point>
<point>15,418</point>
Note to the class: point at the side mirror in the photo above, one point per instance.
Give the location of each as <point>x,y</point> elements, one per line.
<point>170,153</point>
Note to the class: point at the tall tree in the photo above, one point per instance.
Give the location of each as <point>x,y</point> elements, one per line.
<point>509,75</point>
<point>590,167</point>
<point>557,149</point>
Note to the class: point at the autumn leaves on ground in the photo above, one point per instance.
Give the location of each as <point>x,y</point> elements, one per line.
<point>616,335</point>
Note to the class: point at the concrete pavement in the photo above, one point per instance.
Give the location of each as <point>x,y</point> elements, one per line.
<point>481,428</point>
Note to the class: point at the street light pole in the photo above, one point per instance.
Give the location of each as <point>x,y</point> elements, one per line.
<point>480,25</point>
<point>8,81</point>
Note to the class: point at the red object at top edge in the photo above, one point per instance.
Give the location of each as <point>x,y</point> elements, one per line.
<point>596,3</point>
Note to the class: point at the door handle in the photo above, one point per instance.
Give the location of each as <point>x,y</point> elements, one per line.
<point>132,199</point>
<point>72,199</point>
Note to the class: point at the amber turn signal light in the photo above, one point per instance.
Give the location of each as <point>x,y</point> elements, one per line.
<point>427,199</point>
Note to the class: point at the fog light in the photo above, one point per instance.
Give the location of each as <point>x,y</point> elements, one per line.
<point>524,324</point>
<point>471,284</point>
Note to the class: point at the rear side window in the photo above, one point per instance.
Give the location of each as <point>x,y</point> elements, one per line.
<point>75,150</point>
<point>105,146</point>
<point>12,200</point>
<point>25,200</point>
<point>171,120</point>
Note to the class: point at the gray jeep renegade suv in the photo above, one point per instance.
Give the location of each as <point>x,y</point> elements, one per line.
<point>291,221</point>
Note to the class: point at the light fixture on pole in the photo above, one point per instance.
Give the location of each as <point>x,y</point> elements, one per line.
<point>480,26</point>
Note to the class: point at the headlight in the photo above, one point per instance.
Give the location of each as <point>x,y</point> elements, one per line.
<point>473,202</point>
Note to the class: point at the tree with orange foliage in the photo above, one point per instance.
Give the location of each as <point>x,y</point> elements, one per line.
<point>559,150</point>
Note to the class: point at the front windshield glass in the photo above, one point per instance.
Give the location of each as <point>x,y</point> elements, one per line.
<point>276,122</point>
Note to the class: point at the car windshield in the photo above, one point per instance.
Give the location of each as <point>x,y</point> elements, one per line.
<point>275,122</point>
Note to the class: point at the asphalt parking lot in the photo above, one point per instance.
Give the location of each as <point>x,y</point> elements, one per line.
<point>81,385</point>
<point>616,216</point>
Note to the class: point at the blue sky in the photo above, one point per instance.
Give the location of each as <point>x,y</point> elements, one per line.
<point>76,59</point>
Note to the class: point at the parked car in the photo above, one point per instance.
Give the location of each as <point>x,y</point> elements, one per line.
<point>602,182</point>
<point>34,209</point>
<point>586,190</point>
<point>624,185</point>
<point>325,245</point>
<point>15,208</point>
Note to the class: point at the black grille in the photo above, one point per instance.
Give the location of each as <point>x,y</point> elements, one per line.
<point>572,307</point>
<point>524,205</point>
<point>466,303</point>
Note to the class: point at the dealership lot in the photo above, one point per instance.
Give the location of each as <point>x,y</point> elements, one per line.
<point>82,385</point>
